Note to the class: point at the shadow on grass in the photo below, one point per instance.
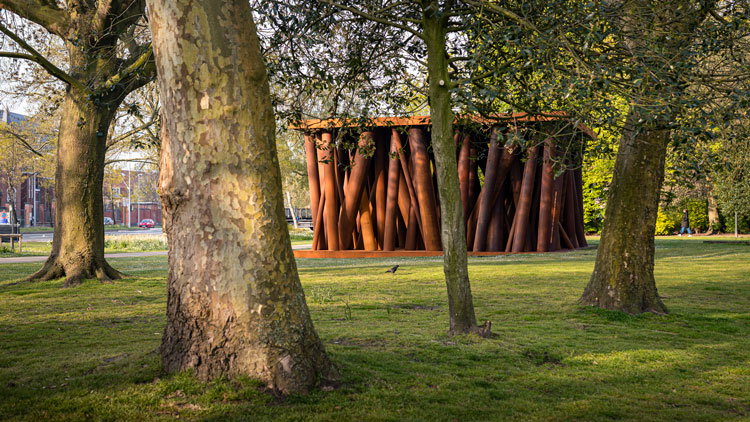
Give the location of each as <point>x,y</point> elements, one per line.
<point>552,360</point>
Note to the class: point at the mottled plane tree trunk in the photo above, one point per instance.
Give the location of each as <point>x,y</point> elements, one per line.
<point>105,63</point>
<point>235,305</point>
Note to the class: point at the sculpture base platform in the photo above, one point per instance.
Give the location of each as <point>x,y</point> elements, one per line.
<point>309,253</point>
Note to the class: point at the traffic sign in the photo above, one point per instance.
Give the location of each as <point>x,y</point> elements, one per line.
<point>4,217</point>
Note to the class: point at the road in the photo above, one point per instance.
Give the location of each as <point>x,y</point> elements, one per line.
<point>47,237</point>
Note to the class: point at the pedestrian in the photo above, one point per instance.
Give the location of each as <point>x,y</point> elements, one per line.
<point>685,223</point>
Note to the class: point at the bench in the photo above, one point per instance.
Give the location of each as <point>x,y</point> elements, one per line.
<point>12,238</point>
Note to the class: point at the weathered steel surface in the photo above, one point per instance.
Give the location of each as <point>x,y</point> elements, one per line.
<point>425,189</point>
<point>313,179</point>
<point>353,191</point>
<point>389,204</point>
<point>524,202</point>
<point>331,209</point>
<point>546,199</point>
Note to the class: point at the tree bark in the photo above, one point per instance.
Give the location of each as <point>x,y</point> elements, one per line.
<point>78,242</point>
<point>713,212</point>
<point>97,82</point>
<point>623,277</point>
<point>453,231</point>
<point>235,304</point>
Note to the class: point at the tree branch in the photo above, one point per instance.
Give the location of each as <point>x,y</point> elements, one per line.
<point>129,133</point>
<point>20,139</point>
<point>36,57</point>
<point>373,18</point>
<point>130,160</point>
<point>133,69</point>
<point>42,12</point>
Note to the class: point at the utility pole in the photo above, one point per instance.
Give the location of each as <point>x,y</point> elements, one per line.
<point>736,230</point>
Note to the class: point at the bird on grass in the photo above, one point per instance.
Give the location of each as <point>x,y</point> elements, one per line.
<point>392,270</point>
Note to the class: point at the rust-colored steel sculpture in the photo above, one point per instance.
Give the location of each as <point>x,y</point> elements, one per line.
<point>524,204</point>
<point>331,209</point>
<point>546,199</point>
<point>374,191</point>
<point>425,190</point>
<point>391,205</point>
<point>353,191</point>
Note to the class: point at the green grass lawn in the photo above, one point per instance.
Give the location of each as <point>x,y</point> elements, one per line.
<point>29,249</point>
<point>91,353</point>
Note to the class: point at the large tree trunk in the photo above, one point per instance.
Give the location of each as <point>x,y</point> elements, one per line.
<point>453,230</point>
<point>235,304</point>
<point>623,277</point>
<point>78,242</point>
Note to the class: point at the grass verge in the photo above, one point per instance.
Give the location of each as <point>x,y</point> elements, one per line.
<point>92,352</point>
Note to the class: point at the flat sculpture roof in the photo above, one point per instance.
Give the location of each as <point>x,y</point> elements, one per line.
<point>322,124</point>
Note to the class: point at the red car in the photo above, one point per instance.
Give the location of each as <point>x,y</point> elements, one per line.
<point>146,224</point>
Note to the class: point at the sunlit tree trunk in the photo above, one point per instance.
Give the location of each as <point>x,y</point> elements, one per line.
<point>78,243</point>
<point>453,230</point>
<point>235,305</point>
<point>623,277</point>
<point>99,75</point>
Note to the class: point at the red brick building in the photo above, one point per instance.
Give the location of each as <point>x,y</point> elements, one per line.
<point>132,195</point>
<point>34,198</point>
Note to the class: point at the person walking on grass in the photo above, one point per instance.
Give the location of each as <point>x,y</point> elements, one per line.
<point>685,223</point>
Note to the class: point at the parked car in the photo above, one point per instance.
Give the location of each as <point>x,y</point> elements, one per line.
<point>146,224</point>
<point>108,221</point>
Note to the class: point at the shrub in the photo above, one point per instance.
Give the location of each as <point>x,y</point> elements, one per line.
<point>136,243</point>
<point>669,219</point>
<point>300,234</point>
<point>698,212</point>
<point>666,222</point>
<point>742,222</point>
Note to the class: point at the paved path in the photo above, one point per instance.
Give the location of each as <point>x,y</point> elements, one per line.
<point>27,259</point>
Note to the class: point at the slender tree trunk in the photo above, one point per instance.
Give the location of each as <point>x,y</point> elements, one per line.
<point>235,304</point>
<point>78,243</point>
<point>623,277</point>
<point>713,211</point>
<point>453,230</point>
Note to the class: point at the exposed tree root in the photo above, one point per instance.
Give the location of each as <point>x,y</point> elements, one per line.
<point>649,303</point>
<point>75,274</point>
<point>484,330</point>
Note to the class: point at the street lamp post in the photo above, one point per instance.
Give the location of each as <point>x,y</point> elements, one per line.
<point>34,215</point>
<point>130,204</point>
<point>138,204</point>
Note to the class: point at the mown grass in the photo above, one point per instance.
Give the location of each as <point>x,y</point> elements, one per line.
<point>300,236</point>
<point>29,249</point>
<point>91,353</point>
